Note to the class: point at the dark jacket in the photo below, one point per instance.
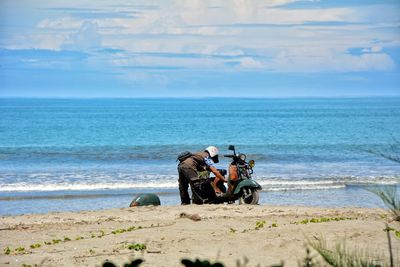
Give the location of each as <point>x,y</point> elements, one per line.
<point>196,161</point>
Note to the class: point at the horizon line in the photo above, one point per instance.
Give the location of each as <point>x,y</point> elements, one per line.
<point>199,97</point>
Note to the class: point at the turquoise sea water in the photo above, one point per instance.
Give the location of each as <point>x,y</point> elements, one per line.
<point>74,154</point>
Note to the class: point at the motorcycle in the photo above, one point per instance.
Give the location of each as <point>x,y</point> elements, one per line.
<point>240,185</point>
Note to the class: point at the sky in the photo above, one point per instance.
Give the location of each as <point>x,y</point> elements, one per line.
<point>199,48</point>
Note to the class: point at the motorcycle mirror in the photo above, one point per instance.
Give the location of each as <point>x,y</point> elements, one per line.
<point>231,147</point>
<point>252,163</point>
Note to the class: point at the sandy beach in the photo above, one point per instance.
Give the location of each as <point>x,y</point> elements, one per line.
<point>163,235</point>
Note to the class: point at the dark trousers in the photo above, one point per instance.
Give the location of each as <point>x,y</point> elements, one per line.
<point>186,176</point>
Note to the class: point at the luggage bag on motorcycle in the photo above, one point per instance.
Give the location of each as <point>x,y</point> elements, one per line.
<point>203,191</point>
<point>183,156</point>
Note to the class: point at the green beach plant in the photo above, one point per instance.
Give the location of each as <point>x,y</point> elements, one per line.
<point>56,241</point>
<point>37,245</point>
<point>118,231</point>
<point>305,221</point>
<point>7,250</point>
<point>102,233</point>
<point>322,220</point>
<point>137,247</point>
<point>131,228</point>
<point>260,224</point>
<point>390,197</point>
<point>19,250</point>
<point>388,194</point>
<point>390,152</point>
<point>340,256</point>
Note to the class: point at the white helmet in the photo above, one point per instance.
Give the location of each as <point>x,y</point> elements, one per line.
<point>212,150</point>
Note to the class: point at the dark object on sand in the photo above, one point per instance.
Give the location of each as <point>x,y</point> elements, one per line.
<point>134,263</point>
<point>145,200</point>
<point>194,217</point>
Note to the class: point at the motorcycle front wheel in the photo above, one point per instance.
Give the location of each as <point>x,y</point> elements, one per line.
<point>249,196</point>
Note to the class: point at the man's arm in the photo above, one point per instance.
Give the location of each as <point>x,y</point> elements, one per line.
<point>217,174</point>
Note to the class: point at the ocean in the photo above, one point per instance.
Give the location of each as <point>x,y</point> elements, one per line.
<point>87,154</point>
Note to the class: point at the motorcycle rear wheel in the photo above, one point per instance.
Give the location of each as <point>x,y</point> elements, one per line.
<point>249,196</point>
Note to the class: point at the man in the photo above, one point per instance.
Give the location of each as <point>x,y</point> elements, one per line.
<point>189,168</point>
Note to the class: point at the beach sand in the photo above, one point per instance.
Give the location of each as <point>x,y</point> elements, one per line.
<point>264,234</point>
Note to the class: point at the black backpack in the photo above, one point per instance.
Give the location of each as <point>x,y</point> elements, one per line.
<point>184,155</point>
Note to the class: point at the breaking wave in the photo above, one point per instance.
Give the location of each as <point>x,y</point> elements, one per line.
<point>170,182</point>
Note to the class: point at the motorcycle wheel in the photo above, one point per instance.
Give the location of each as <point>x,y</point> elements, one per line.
<point>249,197</point>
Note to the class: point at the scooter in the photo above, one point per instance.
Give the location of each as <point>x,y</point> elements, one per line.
<point>241,186</point>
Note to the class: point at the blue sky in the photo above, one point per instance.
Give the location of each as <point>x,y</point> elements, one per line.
<point>197,48</point>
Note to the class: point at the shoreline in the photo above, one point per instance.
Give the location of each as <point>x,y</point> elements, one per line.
<point>71,201</point>
<point>264,234</point>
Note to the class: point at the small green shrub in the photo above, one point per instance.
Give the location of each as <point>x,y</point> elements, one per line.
<point>322,220</point>
<point>102,233</point>
<point>132,228</point>
<point>137,247</point>
<point>19,249</point>
<point>37,245</point>
<point>118,231</point>
<point>7,250</point>
<point>305,221</point>
<point>260,224</point>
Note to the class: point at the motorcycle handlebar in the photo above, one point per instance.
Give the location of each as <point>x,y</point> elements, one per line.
<point>236,158</point>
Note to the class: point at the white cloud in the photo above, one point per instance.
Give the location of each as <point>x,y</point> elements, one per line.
<point>327,61</point>
<point>250,63</point>
<point>373,49</point>
<point>62,23</point>
<point>87,37</point>
<point>262,34</point>
<point>370,62</point>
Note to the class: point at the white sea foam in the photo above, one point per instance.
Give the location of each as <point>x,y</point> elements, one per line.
<point>315,187</point>
<point>339,182</point>
<point>170,182</point>
<point>81,186</point>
